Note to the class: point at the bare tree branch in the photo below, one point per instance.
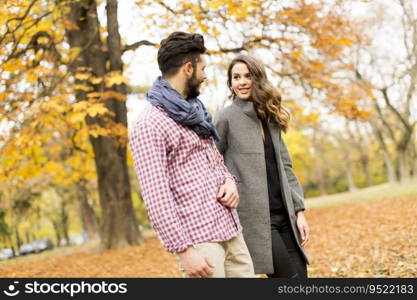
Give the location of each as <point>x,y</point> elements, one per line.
<point>136,45</point>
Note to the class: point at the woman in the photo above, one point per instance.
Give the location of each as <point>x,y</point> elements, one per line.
<point>271,199</point>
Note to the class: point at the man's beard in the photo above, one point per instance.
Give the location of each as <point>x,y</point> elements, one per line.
<point>192,88</point>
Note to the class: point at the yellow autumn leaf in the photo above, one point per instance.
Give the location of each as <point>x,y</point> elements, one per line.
<point>115,78</point>
<point>203,27</point>
<point>12,65</point>
<point>96,109</point>
<point>95,80</point>
<point>113,94</point>
<point>82,76</point>
<point>80,106</point>
<point>214,32</point>
<point>317,66</point>
<point>69,25</point>
<point>215,4</point>
<point>316,84</point>
<point>297,54</point>
<point>82,87</point>
<point>73,52</point>
<point>94,95</point>
<point>56,13</point>
<point>83,68</point>
<point>32,77</point>
<point>345,42</point>
<point>77,117</point>
<point>98,131</point>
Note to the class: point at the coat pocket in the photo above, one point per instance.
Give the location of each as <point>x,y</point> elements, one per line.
<point>250,150</point>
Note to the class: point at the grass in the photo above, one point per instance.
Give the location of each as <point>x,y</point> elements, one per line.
<point>381,191</point>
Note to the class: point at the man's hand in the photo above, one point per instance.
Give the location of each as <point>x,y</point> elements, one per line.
<point>303,228</point>
<point>195,264</point>
<point>228,195</point>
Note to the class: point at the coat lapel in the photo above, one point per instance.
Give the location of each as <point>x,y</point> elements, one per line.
<point>247,108</point>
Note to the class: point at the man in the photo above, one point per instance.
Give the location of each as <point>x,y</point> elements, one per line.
<point>190,195</point>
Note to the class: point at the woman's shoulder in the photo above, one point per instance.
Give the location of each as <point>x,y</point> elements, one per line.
<point>228,112</point>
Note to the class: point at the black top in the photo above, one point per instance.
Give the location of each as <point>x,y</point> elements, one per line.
<point>274,186</point>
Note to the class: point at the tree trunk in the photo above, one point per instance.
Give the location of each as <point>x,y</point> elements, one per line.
<point>18,239</point>
<point>346,162</point>
<point>119,225</point>
<point>388,162</point>
<point>362,147</point>
<point>64,222</point>
<point>389,167</point>
<point>403,165</point>
<point>364,160</point>
<point>349,175</point>
<point>414,160</point>
<point>57,232</point>
<point>318,166</point>
<point>9,242</point>
<point>88,217</point>
<point>320,176</point>
<point>27,237</point>
<point>318,171</point>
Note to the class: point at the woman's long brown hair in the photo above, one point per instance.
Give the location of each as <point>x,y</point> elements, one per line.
<point>265,97</point>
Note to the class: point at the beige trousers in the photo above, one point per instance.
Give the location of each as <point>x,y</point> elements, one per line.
<point>230,258</point>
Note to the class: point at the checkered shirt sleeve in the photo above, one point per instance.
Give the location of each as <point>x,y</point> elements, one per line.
<point>222,167</point>
<point>150,158</point>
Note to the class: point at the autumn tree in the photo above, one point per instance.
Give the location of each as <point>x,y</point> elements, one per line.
<point>62,75</point>
<point>4,229</point>
<point>391,81</point>
<point>299,42</point>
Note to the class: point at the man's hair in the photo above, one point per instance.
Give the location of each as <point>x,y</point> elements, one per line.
<point>179,48</point>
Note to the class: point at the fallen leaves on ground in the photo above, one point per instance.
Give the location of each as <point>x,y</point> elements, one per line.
<point>375,238</point>
<point>370,239</point>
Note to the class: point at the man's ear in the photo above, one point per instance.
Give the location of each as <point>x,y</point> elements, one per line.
<point>188,69</point>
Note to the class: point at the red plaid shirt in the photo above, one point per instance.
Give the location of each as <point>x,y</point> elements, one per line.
<point>180,175</point>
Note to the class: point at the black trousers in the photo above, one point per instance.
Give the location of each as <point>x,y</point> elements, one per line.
<point>287,257</point>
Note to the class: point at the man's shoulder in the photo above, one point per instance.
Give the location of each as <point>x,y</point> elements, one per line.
<point>152,117</point>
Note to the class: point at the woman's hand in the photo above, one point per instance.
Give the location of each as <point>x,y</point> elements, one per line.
<point>228,195</point>
<point>303,228</point>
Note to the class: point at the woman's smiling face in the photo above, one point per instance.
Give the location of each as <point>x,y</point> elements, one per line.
<point>241,81</point>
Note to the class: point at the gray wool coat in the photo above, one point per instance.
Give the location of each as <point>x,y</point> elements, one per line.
<point>242,146</point>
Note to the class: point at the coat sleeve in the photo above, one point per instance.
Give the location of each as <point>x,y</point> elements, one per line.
<point>149,151</point>
<point>222,126</point>
<point>295,187</point>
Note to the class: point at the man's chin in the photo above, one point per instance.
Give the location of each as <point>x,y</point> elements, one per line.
<point>195,95</point>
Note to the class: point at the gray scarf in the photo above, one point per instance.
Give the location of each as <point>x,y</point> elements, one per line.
<point>190,112</point>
